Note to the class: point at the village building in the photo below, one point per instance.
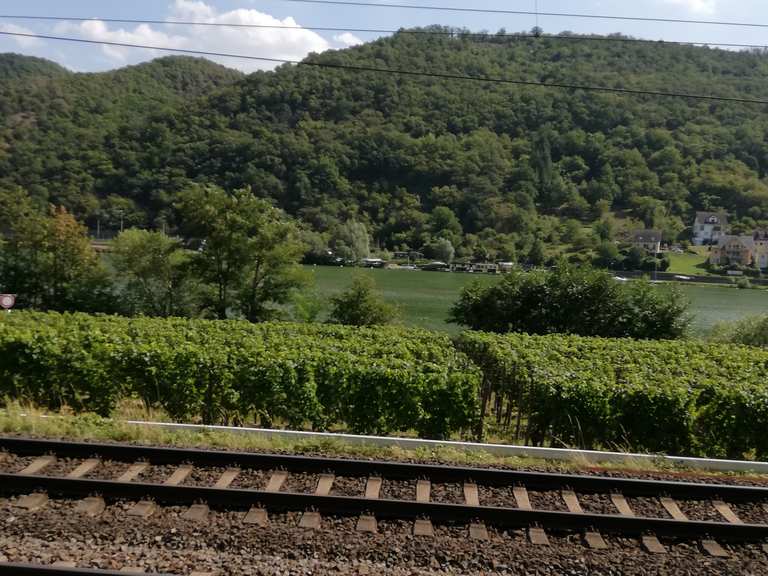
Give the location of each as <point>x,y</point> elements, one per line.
<point>648,240</point>
<point>709,227</point>
<point>730,249</point>
<point>760,238</point>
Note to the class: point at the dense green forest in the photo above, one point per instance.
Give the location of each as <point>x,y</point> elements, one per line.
<point>497,171</point>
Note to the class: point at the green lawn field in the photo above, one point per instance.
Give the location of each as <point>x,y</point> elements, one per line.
<point>688,264</point>
<point>426,297</point>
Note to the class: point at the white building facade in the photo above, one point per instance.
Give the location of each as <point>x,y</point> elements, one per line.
<point>709,227</point>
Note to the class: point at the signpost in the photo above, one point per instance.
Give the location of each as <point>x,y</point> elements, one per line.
<point>7,301</point>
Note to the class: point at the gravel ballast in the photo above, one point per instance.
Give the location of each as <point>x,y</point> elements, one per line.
<point>165,542</point>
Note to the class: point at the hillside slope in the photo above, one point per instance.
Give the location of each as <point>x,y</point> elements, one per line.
<point>489,166</point>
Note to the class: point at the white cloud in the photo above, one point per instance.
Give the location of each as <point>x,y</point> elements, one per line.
<point>21,40</point>
<point>696,6</point>
<point>347,39</point>
<point>267,42</point>
<point>142,34</point>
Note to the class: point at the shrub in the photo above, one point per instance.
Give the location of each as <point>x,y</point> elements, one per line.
<point>573,300</point>
<point>361,305</point>
<point>750,331</point>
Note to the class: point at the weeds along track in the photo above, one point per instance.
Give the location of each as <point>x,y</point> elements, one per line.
<point>34,471</point>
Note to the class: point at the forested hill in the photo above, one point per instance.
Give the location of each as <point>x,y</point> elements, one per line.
<point>488,166</point>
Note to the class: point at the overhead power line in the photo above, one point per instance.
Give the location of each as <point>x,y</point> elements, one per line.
<point>415,31</point>
<point>530,13</point>
<point>401,72</point>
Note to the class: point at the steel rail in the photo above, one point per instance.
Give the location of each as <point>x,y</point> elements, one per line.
<point>393,470</point>
<point>18,569</point>
<point>240,499</point>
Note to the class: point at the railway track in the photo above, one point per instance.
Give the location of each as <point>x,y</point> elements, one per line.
<point>35,470</point>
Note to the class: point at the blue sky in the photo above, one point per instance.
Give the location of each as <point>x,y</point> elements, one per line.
<point>297,44</point>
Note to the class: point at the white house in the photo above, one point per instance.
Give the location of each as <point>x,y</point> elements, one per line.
<point>709,227</point>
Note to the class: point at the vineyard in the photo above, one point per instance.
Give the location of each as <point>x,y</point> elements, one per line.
<point>380,380</point>
<point>682,397</point>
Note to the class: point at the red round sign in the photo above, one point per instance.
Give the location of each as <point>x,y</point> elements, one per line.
<point>7,300</point>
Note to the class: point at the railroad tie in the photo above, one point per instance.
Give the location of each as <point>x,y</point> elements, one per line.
<point>32,502</point>
<point>674,510</point>
<point>709,546</point>
<point>91,506</point>
<point>593,538</point>
<point>621,504</point>
<point>423,526</point>
<point>650,542</point>
<point>712,548</point>
<point>572,502</point>
<point>143,508</point>
<point>36,500</point>
<point>367,522</point>
<point>38,464</point>
<point>84,468</point>
<point>133,472</point>
<point>179,475</point>
<point>276,481</point>
<point>477,530</point>
<point>257,515</point>
<point>521,497</point>
<point>311,520</point>
<point>538,537</point>
<point>226,478</point>
<point>199,512</point>
<point>535,535</point>
<point>726,512</point>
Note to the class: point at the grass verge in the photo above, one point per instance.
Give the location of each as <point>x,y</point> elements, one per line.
<point>25,421</point>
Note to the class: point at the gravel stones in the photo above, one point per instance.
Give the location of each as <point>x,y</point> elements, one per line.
<point>344,486</point>
<point>449,493</point>
<point>300,482</point>
<point>224,545</point>
<point>398,489</point>
<point>701,510</point>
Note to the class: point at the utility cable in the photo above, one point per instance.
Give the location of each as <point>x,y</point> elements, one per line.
<point>400,72</point>
<point>414,31</point>
<point>531,13</point>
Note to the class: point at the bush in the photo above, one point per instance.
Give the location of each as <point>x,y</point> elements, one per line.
<point>379,380</point>
<point>361,305</point>
<point>676,397</point>
<point>574,300</point>
<point>750,331</point>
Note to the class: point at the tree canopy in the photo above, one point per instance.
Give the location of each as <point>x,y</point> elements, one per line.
<point>572,300</point>
<point>497,170</point>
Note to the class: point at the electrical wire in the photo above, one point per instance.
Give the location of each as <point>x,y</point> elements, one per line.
<point>400,72</point>
<point>531,13</point>
<point>452,33</point>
